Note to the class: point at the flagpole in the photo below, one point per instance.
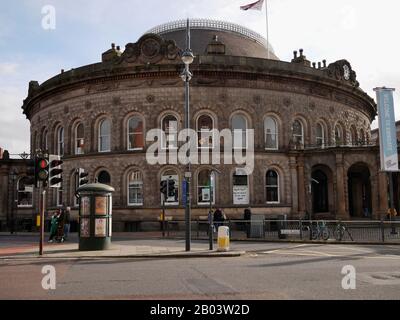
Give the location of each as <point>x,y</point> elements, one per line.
<point>266,22</point>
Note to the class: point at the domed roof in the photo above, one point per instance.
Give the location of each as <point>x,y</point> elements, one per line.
<point>238,40</point>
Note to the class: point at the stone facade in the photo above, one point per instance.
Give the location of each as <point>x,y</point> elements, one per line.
<point>144,81</point>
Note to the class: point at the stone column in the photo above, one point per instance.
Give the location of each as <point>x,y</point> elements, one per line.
<point>294,191</point>
<point>301,186</point>
<point>340,187</point>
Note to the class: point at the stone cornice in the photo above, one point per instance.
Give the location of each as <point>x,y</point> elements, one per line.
<point>212,71</point>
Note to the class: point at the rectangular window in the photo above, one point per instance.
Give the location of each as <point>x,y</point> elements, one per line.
<point>135,192</point>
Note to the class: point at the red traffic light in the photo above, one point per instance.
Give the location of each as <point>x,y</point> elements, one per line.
<point>43,163</point>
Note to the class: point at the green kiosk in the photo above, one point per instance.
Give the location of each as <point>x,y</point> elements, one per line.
<point>95,216</point>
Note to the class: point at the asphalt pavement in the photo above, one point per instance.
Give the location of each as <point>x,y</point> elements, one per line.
<point>265,271</point>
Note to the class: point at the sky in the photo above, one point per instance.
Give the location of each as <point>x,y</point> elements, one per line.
<point>363,32</point>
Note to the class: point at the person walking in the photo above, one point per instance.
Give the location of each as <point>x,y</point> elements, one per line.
<point>60,226</point>
<point>53,226</point>
<point>67,222</point>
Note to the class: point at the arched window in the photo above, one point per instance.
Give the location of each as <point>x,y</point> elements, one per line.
<point>272,186</point>
<point>353,136</point>
<point>171,175</point>
<point>105,136</point>
<point>79,139</point>
<point>169,125</point>
<point>45,141</point>
<point>239,128</point>
<point>298,132</point>
<point>362,137</point>
<point>338,135</point>
<point>104,177</point>
<point>204,131</point>
<point>320,137</point>
<point>135,188</point>
<point>271,133</point>
<point>240,188</point>
<point>205,179</point>
<point>25,193</point>
<point>135,133</point>
<point>60,141</point>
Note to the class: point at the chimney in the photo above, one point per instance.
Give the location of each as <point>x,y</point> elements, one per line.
<point>319,65</point>
<point>295,54</point>
<point>324,62</point>
<point>301,52</point>
<point>314,65</point>
<point>113,46</point>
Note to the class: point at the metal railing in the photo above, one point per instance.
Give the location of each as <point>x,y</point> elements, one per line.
<point>209,24</point>
<point>296,230</point>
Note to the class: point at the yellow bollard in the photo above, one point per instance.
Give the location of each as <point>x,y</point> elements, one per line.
<point>223,239</point>
<point>38,220</point>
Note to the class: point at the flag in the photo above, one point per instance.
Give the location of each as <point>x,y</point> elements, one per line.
<point>253,6</point>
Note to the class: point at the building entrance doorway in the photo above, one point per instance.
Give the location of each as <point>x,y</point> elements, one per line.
<point>359,191</point>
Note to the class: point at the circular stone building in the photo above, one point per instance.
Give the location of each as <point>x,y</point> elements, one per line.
<point>311,121</point>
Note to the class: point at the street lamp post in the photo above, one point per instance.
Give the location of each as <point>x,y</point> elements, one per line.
<point>186,75</point>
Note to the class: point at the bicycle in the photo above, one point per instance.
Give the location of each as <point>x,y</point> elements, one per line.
<point>320,231</point>
<point>340,230</point>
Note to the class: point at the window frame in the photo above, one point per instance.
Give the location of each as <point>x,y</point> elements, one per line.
<point>128,187</point>
<point>276,134</point>
<point>30,205</point>
<point>60,141</point>
<point>100,136</point>
<point>76,139</point>
<point>322,137</point>
<point>277,186</point>
<point>203,203</point>
<point>297,135</point>
<point>129,134</point>
<point>164,144</point>
<point>242,132</point>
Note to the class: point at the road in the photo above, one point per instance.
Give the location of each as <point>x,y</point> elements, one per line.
<point>266,271</point>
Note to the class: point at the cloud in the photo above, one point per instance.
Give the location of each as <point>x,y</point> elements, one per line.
<point>8,68</point>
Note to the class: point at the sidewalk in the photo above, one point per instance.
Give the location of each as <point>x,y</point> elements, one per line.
<point>71,251</point>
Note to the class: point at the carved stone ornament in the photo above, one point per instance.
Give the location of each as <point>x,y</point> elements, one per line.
<point>341,70</point>
<point>287,102</point>
<point>150,48</point>
<point>150,98</point>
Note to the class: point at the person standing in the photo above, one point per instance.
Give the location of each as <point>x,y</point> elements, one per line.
<point>247,218</point>
<point>67,222</point>
<point>218,218</point>
<point>54,225</point>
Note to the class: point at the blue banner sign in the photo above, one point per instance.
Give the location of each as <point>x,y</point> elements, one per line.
<point>387,129</point>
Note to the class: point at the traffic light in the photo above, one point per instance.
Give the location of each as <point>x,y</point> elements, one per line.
<point>171,188</point>
<point>163,188</point>
<point>42,170</point>
<point>55,171</point>
<point>31,172</point>
<point>82,177</point>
